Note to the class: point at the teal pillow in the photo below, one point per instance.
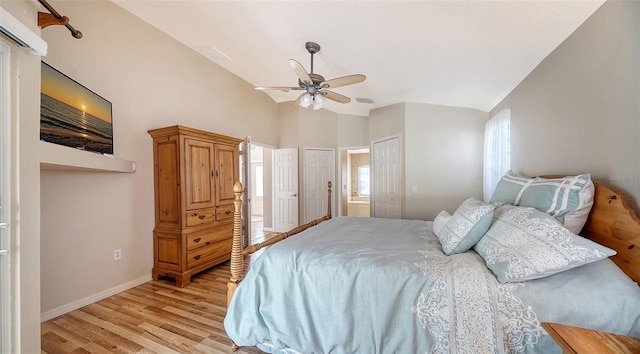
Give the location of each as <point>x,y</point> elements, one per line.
<point>568,199</point>
<point>524,244</point>
<point>466,226</point>
<point>509,188</point>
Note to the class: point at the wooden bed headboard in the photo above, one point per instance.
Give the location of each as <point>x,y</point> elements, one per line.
<point>614,224</point>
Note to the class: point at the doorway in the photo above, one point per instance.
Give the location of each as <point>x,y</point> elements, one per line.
<point>355,177</point>
<point>261,192</point>
<point>258,190</point>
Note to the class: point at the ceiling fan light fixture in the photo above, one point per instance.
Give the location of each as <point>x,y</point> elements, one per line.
<point>306,100</point>
<point>318,101</point>
<point>314,85</point>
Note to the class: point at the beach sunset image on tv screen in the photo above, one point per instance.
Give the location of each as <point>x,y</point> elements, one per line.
<point>72,115</point>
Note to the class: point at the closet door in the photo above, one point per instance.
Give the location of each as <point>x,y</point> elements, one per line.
<point>285,176</point>
<point>199,174</point>
<point>387,177</point>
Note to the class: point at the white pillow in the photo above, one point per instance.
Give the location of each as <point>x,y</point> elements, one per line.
<point>440,221</point>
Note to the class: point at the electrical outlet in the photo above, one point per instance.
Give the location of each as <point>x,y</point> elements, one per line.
<point>117,254</point>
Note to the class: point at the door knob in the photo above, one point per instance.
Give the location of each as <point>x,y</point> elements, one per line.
<point>294,195</point>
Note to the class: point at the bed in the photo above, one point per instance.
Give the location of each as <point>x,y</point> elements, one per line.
<point>370,285</point>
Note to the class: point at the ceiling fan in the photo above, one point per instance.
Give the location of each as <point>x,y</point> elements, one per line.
<point>314,85</point>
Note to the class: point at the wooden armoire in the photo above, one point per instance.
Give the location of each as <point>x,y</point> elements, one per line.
<point>194,173</point>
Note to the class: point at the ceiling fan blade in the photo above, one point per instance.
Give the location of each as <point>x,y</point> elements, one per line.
<point>344,80</point>
<point>279,88</point>
<point>301,73</point>
<point>336,96</point>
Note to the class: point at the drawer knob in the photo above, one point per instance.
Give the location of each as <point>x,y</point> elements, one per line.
<point>197,239</point>
<point>197,257</point>
<point>227,212</point>
<point>201,217</point>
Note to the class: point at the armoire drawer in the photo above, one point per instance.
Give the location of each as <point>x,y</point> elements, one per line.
<point>202,216</point>
<point>209,236</point>
<point>225,212</point>
<point>216,251</point>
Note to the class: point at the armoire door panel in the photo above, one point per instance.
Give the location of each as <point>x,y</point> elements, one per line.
<point>226,172</point>
<point>167,191</point>
<point>199,174</point>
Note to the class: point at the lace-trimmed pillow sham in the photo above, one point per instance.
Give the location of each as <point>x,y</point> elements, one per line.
<point>524,244</point>
<point>466,226</point>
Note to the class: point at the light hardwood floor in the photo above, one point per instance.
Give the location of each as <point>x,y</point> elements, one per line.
<point>155,317</point>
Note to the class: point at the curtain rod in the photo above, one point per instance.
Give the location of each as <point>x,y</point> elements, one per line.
<point>60,20</point>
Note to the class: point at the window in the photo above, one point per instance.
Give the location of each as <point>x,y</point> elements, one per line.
<point>363,181</point>
<point>497,151</point>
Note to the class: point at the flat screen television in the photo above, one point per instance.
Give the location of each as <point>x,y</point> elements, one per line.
<point>72,115</point>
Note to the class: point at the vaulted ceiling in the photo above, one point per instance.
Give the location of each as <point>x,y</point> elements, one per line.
<point>467,53</point>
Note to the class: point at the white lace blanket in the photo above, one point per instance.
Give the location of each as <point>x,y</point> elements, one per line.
<point>467,311</point>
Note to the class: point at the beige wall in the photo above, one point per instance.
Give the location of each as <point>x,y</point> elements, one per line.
<point>387,121</point>
<point>152,81</point>
<point>317,128</point>
<point>443,158</point>
<point>442,154</point>
<point>578,111</point>
<point>352,130</point>
<point>288,124</point>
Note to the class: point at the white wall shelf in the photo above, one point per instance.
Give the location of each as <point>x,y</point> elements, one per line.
<point>62,158</point>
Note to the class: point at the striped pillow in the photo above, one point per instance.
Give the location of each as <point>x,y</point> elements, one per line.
<point>568,199</point>
<point>510,188</point>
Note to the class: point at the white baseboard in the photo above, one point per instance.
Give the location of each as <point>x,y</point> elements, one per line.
<point>267,229</point>
<point>45,316</point>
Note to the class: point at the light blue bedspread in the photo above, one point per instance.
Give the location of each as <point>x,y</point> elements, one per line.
<point>368,285</point>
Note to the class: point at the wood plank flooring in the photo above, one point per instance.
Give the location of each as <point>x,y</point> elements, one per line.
<point>155,317</point>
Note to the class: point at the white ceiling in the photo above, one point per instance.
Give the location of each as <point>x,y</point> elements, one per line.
<point>454,53</point>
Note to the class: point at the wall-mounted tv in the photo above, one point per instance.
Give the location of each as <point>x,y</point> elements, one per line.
<point>72,115</point>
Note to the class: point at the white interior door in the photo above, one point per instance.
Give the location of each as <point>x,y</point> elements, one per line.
<point>5,310</point>
<point>285,169</point>
<point>386,178</point>
<point>319,168</point>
